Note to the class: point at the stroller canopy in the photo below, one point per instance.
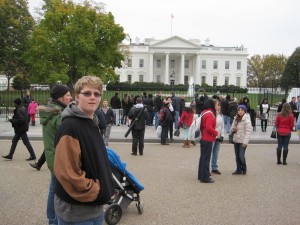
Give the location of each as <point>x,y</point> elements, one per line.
<point>116,162</point>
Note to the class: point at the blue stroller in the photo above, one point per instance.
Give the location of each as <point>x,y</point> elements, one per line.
<point>127,189</point>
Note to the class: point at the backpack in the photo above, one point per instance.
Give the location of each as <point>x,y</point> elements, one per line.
<point>197,133</point>
<point>165,116</point>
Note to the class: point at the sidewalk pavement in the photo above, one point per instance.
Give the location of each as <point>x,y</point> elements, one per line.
<point>117,134</point>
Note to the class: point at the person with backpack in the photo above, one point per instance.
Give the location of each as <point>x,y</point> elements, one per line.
<point>165,119</point>
<point>138,131</point>
<point>209,134</point>
<point>185,122</point>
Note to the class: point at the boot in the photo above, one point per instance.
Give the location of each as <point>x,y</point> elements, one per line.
<point>188,144</point>
<point>278,157</point>
<point>184,144</point>
<point>33,122</point>
<point>193,143</point>
<point>285,153</point>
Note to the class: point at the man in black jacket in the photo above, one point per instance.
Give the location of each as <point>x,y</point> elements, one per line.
<point>115,104</point>
<point>138,131</point>
<point>20,124</point>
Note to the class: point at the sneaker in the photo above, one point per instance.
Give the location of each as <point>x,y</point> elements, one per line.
<point>216,172</point>
<point>209,181</point>
<point>7,157</point>
<point>132,153</point>
<point>35,166</point>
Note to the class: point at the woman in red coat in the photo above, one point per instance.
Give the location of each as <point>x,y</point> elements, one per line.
<point>185,122</point>
<point>209,134</point>
<point>285,123</point>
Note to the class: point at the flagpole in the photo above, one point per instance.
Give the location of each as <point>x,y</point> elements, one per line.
<point>172,16</point>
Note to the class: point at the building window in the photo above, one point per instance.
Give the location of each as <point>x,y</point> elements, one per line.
<point>215,81</point>
<point>203,64</point>
<point>186,64</point>
<point>226,81</point>
<point>186,80</point>
<point>215,64</point>
<point>141,63</point>
<point>172,82</point>
<point>158,78</point>
<point>239,65</point>
<point>226,65</point>
<point>238,81</point>
<point>129,78</point>
<point>203,80</point>
<point>141,78</point>
<point>129,62</point>
<point>173,64</point>
<point>158,63</point>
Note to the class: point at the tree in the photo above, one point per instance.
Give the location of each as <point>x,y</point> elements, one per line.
<point>16,25</point>
<point>265,71</point>
<point>21,82</point>
<point>73,40</point>
<point>291,74</point>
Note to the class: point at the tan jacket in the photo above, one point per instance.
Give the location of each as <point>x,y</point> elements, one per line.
<point>244,129</point>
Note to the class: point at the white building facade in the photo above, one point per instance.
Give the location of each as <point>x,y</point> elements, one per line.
<point>178,61</point>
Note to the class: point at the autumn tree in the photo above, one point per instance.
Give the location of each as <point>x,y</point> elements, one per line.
<point>265,71</point>
<point>73,40</point>
<point>291,74</point>
<point>16,25</point>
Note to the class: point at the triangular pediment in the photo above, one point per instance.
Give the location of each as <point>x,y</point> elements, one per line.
<point>174,42</point>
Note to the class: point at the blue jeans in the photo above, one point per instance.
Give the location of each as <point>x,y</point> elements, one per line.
<point>95,221</point>
<point>214,155</point>
<point>283,141</point>
<point>203,169</point>
<point>124,116</point>
<point>240,157</point>
<point>156,119</point>
<point>52,219</point>
<point>176,118</point>
<point>227,124</point>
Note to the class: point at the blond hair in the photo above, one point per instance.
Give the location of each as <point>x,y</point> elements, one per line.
<point>91,81</point>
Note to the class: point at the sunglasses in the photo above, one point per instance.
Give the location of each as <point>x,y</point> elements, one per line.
<point>89,94</point>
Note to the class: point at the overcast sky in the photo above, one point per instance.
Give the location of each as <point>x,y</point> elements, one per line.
<point>262,26</point>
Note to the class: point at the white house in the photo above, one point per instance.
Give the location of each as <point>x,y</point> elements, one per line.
<point>176,60</point>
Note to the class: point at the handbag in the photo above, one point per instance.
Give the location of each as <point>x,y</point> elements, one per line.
<point>262,116</point>
<point>230,138</point>
<point>177,132</point>
<point>274,132</point>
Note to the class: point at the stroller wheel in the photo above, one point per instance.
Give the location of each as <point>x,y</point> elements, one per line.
<point>140,207</point>
<point>113,214</point>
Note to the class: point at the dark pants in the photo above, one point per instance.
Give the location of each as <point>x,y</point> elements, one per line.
<point>283,141</point>
<point>171,130</point>
<point>41,160</point>
<point>164,133</point>
<point>150,118</point>
<point>26,142</point>
<point>240,159</point>
<point>263,124</point>
<point>203,170</point>
<point>138,139</point>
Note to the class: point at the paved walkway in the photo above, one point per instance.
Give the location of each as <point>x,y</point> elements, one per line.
<point>267,195</point>
<point>117,134</point>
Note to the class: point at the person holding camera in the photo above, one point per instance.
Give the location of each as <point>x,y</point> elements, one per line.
<point>219,139</point>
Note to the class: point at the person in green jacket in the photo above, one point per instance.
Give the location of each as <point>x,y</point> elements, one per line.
<point>50,118</point>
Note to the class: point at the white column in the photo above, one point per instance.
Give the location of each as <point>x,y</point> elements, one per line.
<point>167,69</point>
<point>181,77</point>
<point>197,73</point>
<point>151,68</point>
